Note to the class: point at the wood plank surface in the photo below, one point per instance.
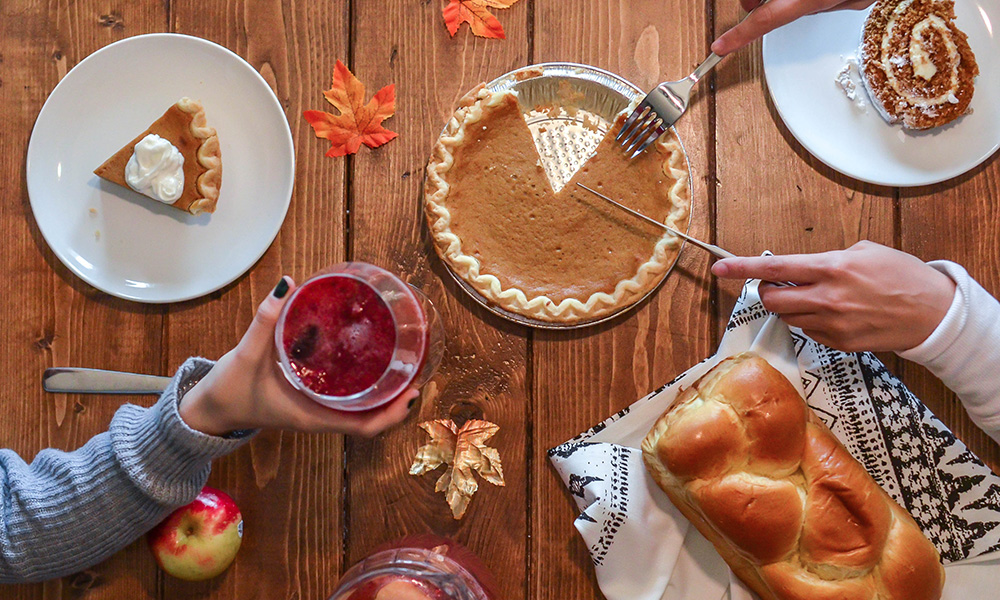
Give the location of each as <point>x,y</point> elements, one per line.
<point>772,194</point>
<point>483,374</point>
<point>52,318</point>
<point>582,377</point>
<point>316,504</point>
<point>288,486</point>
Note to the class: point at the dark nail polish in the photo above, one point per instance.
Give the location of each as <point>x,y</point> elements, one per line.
<point>281,289</point>
<point>411,403</point>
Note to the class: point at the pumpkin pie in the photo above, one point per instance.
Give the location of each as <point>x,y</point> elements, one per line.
<point>177,160</point>
<point>561,257</point>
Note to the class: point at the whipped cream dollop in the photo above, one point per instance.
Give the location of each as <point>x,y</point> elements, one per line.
<point>849,81</point>
<point>156,169</point>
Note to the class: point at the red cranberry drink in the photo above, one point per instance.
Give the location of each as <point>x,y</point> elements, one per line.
<point>418,568</point>
<point>355,337</point>
<point>339,336</point>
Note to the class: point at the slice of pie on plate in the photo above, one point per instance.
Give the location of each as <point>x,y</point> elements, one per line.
<point>176,161</point>
<point>560,257</point>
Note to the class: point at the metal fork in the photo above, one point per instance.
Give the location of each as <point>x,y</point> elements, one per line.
<point>660,109</point>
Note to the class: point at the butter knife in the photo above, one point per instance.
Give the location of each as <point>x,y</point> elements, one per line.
<point>710,248</point>
<point>74,380</point>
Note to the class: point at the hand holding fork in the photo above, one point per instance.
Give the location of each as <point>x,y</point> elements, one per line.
<point>661,107</point>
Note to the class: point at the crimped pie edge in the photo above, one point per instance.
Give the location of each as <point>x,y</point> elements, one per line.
<point>449,245</point>
<point>209,157</point>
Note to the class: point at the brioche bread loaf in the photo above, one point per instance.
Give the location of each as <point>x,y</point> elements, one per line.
<point>795,516</point>
<point>916,63</point>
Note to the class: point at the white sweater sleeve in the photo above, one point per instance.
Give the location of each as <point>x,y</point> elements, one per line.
<point>964,350</point>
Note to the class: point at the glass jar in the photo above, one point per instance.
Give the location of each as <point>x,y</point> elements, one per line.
<point>419,568</point>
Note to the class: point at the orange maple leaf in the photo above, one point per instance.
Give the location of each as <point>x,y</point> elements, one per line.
<point>475,13</point>
<point>357,122</point>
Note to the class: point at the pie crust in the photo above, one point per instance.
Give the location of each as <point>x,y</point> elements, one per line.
<point>640,253</point>
<point>184,125</point>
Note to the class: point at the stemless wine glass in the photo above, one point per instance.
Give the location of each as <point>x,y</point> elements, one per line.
<point>418,568</point>
<point>354,337</point>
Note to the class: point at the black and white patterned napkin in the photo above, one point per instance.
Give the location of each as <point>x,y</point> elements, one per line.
<point>951,494</point>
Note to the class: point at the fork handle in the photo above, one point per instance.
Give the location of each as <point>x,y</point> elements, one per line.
<point>706,66</point>
<point>713,58</point>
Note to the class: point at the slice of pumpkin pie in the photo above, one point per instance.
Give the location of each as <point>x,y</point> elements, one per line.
<point>177,160</point>
<point>561,257</point>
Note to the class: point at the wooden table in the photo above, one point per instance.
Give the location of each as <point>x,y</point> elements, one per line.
<point>315,504</point>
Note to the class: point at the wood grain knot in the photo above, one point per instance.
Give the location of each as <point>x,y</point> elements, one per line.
<point>112,21</point>
<point>463,411</point>
<point>45,342</point>
<point>85,581</point>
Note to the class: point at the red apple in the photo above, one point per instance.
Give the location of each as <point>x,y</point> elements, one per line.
<point>200,540</point>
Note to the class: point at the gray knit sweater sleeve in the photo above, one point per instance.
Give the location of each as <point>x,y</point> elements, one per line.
<point>69,510</point>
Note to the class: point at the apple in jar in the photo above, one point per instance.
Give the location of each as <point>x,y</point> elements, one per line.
<point>391,587</point>
<point>200,540</point>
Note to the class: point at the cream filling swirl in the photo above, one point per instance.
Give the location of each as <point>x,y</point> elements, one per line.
<point>919,57</point>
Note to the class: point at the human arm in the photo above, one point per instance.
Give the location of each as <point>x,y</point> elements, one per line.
<point>772,14</point>
<point>964,350</point>
<point>870,297</point>
<point>69,510</point>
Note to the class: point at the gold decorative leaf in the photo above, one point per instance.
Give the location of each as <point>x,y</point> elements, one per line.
<point>439,451</point>
<point>464,452</point>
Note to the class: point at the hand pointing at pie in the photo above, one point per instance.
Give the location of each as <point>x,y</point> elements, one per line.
<point>868,297</point>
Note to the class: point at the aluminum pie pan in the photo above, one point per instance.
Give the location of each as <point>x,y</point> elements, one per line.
<point>564,143</point>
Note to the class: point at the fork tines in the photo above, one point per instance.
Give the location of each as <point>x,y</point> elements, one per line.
<point>640,130</point>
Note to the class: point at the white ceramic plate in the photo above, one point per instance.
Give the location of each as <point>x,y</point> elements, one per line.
<point>122,242</point>
<point>801,62</point>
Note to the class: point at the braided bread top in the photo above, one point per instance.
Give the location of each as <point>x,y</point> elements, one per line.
<point>784,503</point>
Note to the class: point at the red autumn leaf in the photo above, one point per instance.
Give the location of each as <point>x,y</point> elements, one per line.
<point>356,122</point>
<point>475,13</point>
